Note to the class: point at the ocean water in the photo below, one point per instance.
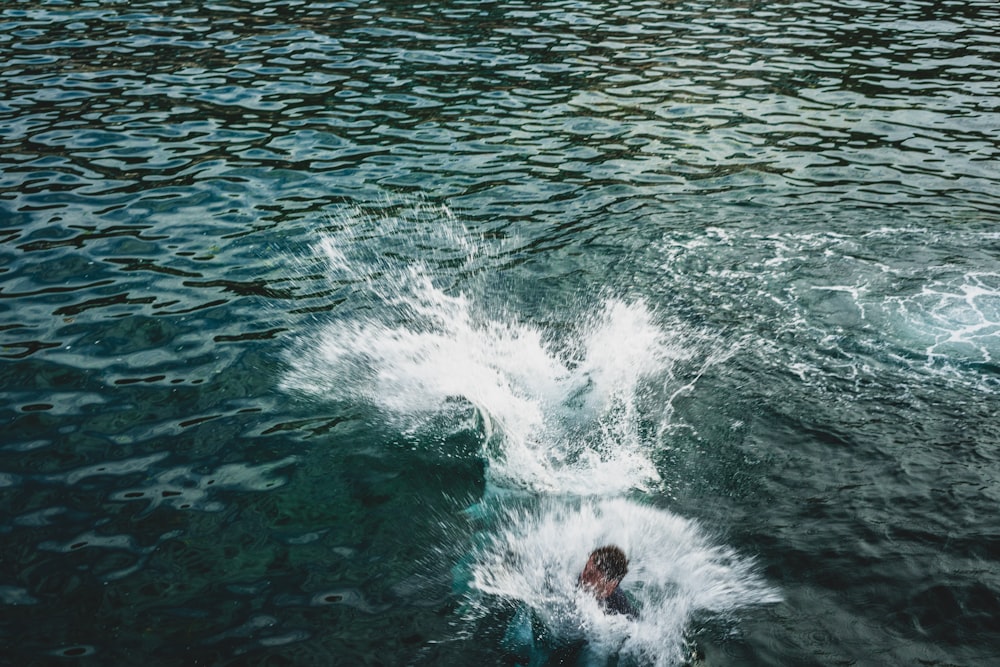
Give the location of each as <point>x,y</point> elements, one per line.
<point>339,333</point>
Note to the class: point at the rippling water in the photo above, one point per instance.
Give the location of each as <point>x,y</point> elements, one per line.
<point>311,314</point>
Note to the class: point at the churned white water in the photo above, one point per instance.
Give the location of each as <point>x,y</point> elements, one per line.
<point>571,418</point>
<point>561,409</point>
<point>535,552</point>
<point>956,319</point>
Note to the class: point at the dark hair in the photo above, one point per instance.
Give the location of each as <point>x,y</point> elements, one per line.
<point>611,561</point>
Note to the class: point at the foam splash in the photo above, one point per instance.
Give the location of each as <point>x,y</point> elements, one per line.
<point>561,411</point>
<point>959,319</point>
<point>533,556</point>
<point>568,414</point>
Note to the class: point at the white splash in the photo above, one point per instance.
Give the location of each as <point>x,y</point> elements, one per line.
<point>568,413</point>
<point>561,410</point>
<point>533,555</point>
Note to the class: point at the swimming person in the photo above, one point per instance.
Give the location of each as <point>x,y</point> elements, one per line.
<point>533,644</point>
<point>604,571</point>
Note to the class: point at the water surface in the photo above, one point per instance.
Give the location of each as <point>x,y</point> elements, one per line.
<point>311,312</point>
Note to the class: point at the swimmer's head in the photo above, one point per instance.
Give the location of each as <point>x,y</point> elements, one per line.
<point>604,570</point>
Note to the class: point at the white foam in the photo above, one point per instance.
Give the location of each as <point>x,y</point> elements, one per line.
<point>953,323</point>
<point>533,555</point>
<point>569,414</point>
<point>563,408</point>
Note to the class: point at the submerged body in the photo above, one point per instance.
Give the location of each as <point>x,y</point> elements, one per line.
<point>533,644</point>
<point>618,603</point>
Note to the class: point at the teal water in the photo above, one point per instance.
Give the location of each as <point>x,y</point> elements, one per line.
<point>336,333</point>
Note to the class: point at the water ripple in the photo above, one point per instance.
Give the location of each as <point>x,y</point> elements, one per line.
<point>163,163</point>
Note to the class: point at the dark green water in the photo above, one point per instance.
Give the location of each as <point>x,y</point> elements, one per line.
<point>330,331</point>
